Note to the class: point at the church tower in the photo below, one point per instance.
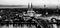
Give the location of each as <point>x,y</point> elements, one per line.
<point>30,11</point>
<point>30,8</point>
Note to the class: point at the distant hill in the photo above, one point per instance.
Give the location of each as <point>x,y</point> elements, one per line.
<point>16,6</point>
<point>26,6</point>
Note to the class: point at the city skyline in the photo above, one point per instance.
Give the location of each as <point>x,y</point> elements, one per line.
<point>37,3</point>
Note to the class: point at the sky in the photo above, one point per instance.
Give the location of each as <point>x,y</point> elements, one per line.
<point>34,2</point>
<point>24,2</point>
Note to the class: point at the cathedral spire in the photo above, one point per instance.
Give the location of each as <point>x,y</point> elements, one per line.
<point>30,7</point>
